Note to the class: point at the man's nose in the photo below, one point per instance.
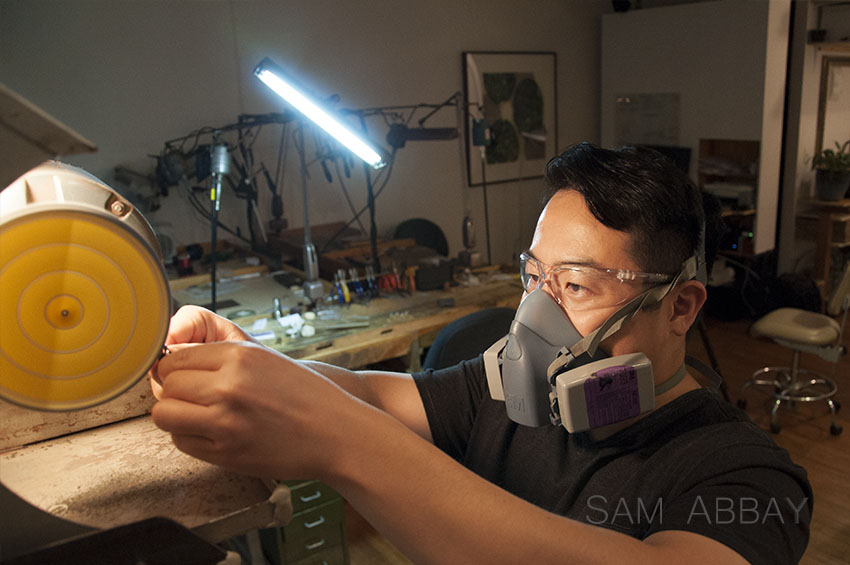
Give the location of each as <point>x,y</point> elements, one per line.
<point>549,288</point>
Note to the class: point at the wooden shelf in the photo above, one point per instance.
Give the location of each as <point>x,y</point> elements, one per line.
<point>835,46</point>
<point>826,212</point>
<point>730,213</point>
<point>834,205</point>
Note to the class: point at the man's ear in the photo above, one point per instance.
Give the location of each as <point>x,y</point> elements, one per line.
<point>688,299</point>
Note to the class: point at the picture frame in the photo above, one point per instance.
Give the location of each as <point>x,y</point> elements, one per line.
<point>833,104</point>
<point>513,97</point>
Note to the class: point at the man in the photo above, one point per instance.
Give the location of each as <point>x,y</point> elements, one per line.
<point>436,465</point>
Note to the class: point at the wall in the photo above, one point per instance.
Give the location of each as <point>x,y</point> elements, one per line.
<point>130,75</point>
<point>726,60</point>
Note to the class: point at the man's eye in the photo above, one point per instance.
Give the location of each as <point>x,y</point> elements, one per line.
<point>574,288</point>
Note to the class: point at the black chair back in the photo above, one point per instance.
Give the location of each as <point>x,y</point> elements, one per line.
<point>468,337</point>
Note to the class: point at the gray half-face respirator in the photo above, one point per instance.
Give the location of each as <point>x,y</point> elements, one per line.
<point>547,372</point>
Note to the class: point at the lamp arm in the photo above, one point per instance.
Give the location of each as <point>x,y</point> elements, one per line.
<point>451,100</point>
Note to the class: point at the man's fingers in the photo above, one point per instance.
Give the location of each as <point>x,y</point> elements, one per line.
<point>190,325</point>
<point>193,324</point>
<point>195,429</point>
<point>187,374</point>
<point>199,357</point>
<point>197,446</point>
<point>181,417</point>
<point>197,387</point>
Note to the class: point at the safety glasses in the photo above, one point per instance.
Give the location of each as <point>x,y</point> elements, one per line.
<point>582,287</point>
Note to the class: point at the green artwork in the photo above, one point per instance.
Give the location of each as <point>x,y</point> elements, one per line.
<point>528,106</point>
<point>504,144</point>
<point>513,104</point>
<point>499,87</point>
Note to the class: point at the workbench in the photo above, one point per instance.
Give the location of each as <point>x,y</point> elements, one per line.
<point>360,333</point>
<point>109,465</point>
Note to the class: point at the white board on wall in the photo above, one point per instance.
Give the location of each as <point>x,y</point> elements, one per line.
<point>648,119</point>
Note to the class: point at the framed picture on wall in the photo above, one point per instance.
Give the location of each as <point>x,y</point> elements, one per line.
<point>834,104</point>
<point>513,96</point>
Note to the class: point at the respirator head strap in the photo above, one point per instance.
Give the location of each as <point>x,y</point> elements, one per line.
<point>672,381</point>
<point>591,342</point>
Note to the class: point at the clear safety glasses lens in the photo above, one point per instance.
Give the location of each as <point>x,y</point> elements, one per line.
<point>579,287</point>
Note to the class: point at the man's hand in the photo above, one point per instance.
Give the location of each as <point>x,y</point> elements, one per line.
<point>191,325</point>
<point>249,409</point>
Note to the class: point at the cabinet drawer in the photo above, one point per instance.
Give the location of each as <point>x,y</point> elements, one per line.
<point>307,494</point>
<point>321,541</point>
<point>314,530</point>
<point>328,556</point>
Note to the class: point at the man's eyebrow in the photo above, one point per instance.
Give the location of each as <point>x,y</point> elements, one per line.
<point>570,261</point>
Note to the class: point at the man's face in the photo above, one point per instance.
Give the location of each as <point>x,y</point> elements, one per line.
<point>567,232</point>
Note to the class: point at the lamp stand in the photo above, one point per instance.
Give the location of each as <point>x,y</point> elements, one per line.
<point>370,202</point>
<point>313,288</point>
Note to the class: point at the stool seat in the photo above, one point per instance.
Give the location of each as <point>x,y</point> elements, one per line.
<point>800,326</point>
<point>803,331</point>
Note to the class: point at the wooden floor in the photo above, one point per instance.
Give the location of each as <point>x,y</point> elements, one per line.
<point>804,433</point>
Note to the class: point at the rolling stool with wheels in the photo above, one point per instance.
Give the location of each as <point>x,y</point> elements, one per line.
<point>803,331</point>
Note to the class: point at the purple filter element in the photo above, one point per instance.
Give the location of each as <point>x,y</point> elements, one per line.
<point>611,395</point>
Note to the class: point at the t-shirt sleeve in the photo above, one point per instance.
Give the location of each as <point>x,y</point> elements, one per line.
<point>451,398</point>
<point>749,496</point>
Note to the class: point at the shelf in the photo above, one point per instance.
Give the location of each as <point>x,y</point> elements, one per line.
<point>829,204</point>
<point>730,213</point>
<point>834,46</point>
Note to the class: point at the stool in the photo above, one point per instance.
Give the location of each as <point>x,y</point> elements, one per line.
<point>801,331</point>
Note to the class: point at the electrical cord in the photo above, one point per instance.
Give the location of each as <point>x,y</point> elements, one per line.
<point>388,169</point>
<point>204,213</point>
<point>280,170</point>
<point>243,159</point>
<point>347,196</point>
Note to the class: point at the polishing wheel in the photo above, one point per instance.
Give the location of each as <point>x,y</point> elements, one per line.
<point>84,301</point>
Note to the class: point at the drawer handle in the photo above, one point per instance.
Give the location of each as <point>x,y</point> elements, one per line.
<point>315,545</point>
<point>318,522</point>
<point>317,495</point>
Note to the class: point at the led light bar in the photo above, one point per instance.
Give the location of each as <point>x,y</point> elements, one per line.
<point>276,79</point>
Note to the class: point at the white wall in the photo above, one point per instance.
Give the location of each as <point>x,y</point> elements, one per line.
<point>775,49</point>
<point>725,59</point>
<point>130,75</point>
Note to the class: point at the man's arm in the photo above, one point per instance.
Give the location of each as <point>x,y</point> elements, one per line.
<point>394,393</point>
<point>436,511</point>
<point>254,411</point>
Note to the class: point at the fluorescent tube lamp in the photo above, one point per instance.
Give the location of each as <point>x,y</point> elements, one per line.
<point>276,79</point>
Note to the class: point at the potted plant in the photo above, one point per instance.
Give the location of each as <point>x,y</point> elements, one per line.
<point>832,172</point>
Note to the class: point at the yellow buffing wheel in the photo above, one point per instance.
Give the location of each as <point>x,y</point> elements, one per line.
<point>84,307</point>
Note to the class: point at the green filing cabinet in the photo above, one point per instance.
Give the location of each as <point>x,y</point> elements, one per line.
<point>316,533</point>
<point>314,536</point>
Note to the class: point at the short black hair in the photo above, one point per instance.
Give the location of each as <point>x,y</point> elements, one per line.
<point>638,191</point>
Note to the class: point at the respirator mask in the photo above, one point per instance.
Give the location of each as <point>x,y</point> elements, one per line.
<point>547,372</point>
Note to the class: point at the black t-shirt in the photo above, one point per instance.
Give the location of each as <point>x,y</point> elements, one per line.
<point>696,464</point>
